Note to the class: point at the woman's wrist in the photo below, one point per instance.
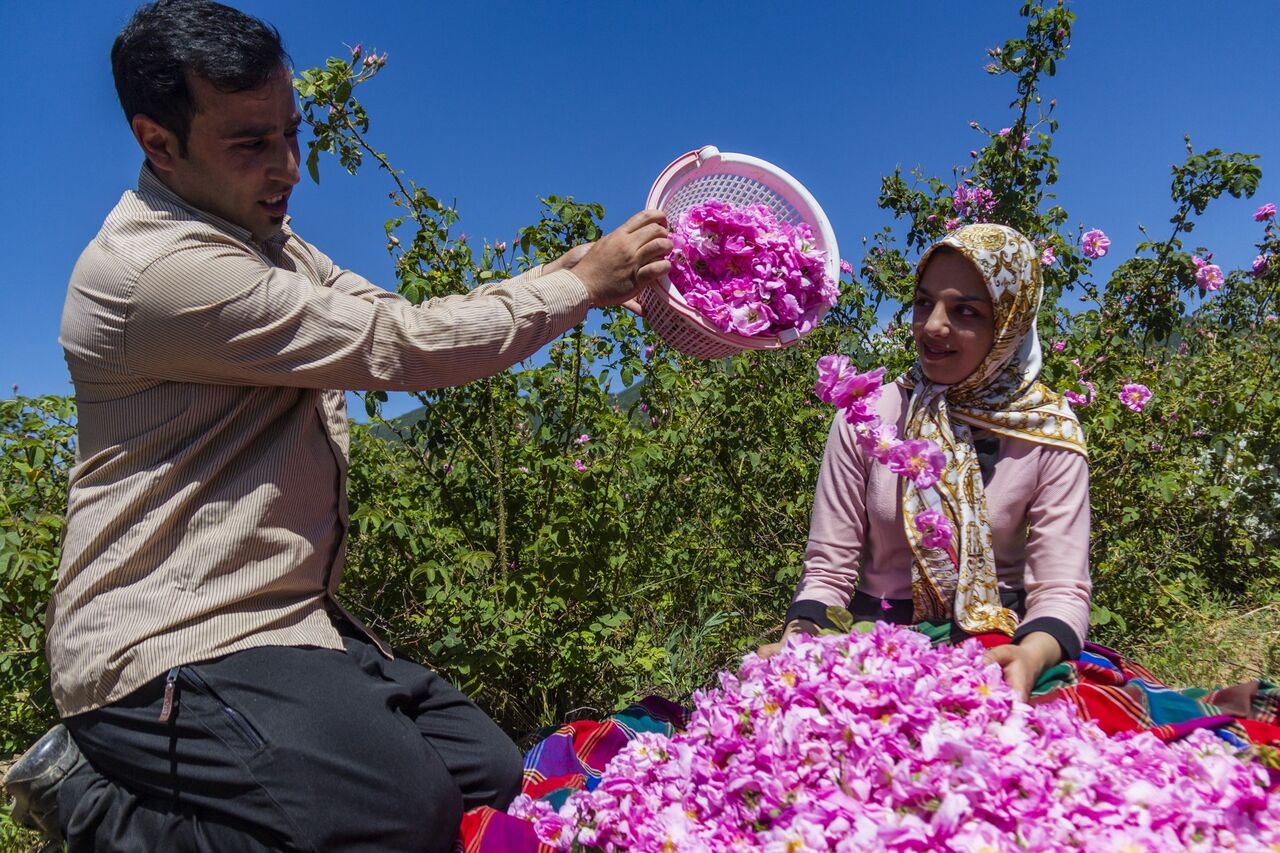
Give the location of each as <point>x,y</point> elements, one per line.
<point>1044,648</point>
<point>800,625</point>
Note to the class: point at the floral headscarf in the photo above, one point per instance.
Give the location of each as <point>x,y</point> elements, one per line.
<point>1002,395</point>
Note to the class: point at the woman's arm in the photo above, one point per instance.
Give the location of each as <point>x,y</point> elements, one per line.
<point>1056,568</point>
<point>837,531</point>
<point>1056,573</point>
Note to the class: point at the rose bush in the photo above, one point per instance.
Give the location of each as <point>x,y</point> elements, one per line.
<point>550,576</point>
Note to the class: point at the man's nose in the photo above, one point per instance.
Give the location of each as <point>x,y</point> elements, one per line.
<point>286,165</point>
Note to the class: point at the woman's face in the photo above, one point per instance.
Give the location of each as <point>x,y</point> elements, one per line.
<point>953,320</point>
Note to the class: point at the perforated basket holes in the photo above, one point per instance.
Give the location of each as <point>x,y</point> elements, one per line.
<point>680,332</point>
<point>738,190</point>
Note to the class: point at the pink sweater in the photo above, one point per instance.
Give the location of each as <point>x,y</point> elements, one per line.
<point>1038,509</point>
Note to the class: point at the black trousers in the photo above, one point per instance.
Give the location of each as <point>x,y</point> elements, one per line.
<point>283,748</point>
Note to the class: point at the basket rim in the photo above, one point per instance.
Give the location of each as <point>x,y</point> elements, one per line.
<point>709,155</point>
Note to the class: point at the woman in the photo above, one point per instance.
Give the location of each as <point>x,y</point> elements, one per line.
<point>1015,488</point>
<point>1015,491</point>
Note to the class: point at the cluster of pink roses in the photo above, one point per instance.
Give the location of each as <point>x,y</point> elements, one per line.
<point>1079,400</point>
<point>879,741</point>
<point>1267,214</point>
<point>748,273</point>
<point>973,202</point>
<point>841,385</point>
<point>1133,395</point>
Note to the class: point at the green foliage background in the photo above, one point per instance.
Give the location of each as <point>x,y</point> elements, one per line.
<point>548,592</point>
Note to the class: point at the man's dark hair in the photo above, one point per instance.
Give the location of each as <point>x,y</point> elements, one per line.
<point>168,42</point>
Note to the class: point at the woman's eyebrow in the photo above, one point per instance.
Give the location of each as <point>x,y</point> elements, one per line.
<point>920,289</point>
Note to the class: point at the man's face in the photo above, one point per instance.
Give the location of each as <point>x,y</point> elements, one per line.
<point>242,154</point>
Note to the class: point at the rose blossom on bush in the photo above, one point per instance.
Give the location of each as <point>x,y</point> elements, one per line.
<point>1081,400</point>
<point>1135,396</point>
<point>1094,244</point>
<point>748,273</point>
<point>1267,211</point>
<point>1047,257</point>
<point>880,741</point>
<point>1208,276</point>
<point>1260,265</point>
<point>1026,137</point>
<point>974,202</point>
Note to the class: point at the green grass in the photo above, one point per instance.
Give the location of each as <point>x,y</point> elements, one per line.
<point>1213,645</point>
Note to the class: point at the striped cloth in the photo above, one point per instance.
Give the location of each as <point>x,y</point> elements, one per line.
<point>571,758</point>
<point>1105,687</point>
<point>1120,695</point>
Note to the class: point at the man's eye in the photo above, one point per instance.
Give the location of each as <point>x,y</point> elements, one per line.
<point>255,145</point>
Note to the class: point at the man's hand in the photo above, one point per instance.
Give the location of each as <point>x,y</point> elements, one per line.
<point>795,626</point>
<point>1023,663</point>
<point>621,263</point>
<point>570,259</point>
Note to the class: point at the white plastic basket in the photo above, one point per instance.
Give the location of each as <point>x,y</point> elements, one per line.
<point>736,179</point>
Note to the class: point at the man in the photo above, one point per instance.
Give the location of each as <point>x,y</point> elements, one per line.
<point>214,695</point>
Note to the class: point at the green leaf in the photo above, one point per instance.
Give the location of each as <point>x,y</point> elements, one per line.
<point>841,618</point>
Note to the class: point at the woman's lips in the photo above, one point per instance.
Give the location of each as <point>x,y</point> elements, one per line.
<point>931,354</point>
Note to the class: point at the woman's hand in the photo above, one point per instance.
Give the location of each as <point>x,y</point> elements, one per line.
<point>1022,663</point>
<point>795,626</point>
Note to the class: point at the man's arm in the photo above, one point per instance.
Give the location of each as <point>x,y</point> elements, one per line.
<point>214,313</point>
<point>219,315</point>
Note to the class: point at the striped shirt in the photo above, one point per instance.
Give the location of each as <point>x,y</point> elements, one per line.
<point>207,510</point>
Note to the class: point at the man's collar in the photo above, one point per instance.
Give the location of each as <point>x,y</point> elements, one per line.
<point>150,184</point>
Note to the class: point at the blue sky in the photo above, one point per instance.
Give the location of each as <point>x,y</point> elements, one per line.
<point>492,104</point>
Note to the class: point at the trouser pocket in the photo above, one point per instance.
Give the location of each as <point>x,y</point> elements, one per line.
<point>219,714</point>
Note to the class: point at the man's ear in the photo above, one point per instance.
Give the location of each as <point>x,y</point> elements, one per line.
<point>158,143</point>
